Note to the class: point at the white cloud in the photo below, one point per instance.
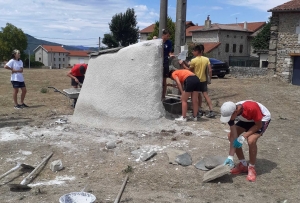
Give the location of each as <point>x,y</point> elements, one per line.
<point>69,19</point>
<point>235,14</point>
<point>216,8</point>
<point>264,5</point>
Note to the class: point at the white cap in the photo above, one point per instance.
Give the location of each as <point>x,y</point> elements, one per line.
<point>227,110</point>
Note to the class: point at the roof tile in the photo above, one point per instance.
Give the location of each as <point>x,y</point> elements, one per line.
<point>293,5</point>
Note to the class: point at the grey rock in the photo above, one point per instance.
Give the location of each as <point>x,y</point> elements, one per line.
<point>214,161</point>
<point>111,145</point>
<point>215,173</point>
<point>145,156</point>
<point>184,159</point>
<point>172,154</point>
<point>56,165</point>
<point>201,165</point>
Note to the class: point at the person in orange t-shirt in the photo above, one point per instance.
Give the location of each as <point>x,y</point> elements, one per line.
<point>189,85</point>
<point>77,74</point>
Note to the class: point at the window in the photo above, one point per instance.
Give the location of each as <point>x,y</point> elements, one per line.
<point>227,48</point>
<point>234,48</point>
<point>234,36</point>
<point>40,59</point>
<point>227,36</point>
<point>54,59</point>
<point>59,59</point>
<point>63,59</point>
<point>242,37</point>
<point>241,48</point>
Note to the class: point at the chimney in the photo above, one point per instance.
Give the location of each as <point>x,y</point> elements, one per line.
<point>207,23</point>
<point>245,26</point>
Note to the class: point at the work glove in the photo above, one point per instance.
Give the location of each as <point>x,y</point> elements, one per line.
<point>238,142</point>
<point>229,162</point>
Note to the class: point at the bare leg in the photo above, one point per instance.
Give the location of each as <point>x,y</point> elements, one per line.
<point>15,94</point>
<point>24,91</point>
<point>200,100</point>
<point>231,138</point>
<point>195,103</point>
<point>184,98</point>
<point>252,139</point>
<point>208,100</point>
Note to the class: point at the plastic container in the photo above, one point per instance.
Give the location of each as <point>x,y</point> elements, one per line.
<point>77,197</point>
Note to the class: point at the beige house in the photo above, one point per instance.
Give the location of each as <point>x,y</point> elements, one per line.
<point>58,57</point>
<point>284,49</point>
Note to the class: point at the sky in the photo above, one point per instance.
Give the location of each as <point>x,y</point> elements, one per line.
<point>82,22</point>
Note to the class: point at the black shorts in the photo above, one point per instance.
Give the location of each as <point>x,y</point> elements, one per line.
<point>203,86</point>
<point>248,125</point>
<point>79,78</point>
<point>17,84</point>
<point>166,70</point>
<point>191,84</point>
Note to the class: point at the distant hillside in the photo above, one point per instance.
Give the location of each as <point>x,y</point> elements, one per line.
<point>33,43</point>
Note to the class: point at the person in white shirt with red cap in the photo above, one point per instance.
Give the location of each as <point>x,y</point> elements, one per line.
<point>253,120</point>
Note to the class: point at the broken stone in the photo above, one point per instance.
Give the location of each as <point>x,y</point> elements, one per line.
<point>145,156</point>
<point>111,145</point>
<point>56,165</point>
<point>215,173</point>
<point>214,161</point>
<point>184,159</point>
<point>201,165</point>
<point>172,154</point>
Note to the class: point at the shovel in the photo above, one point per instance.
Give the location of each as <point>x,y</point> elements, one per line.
<point>23,185</point>
<point>19,165</point>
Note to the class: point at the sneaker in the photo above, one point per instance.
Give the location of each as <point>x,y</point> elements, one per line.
<point>18,107</point>
<point>200,113</point>
<point>24,105</point>
<point>195,118</point>
<point>251,174</point>
<point>210,115</point>
<point>240,168</point>
<point>181,119</point>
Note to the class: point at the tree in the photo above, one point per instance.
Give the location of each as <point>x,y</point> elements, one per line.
<point>170,27</point>
<point>262,40</point>
<point>123,28</point>
<point>110,41</point>
<point>12,38</point>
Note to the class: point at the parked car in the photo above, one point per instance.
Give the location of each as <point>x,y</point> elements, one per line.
<point>219,68</point>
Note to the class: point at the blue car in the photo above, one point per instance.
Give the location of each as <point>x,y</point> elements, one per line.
<point>219,68</point>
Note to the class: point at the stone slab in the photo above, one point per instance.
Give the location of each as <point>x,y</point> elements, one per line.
<point>122,90</point>
<point>214,161</point>
<point>201,165</point>
<point>184,159</point>
<point>215,173</point>
<point>147,155</point>
<point>172,154</point>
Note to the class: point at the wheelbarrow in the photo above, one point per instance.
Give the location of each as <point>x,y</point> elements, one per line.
<point>71,93</point>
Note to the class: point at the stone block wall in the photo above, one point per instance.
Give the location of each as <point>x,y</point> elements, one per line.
<point>248,72</point>
<point>284,42</point>
<point>205,37</point>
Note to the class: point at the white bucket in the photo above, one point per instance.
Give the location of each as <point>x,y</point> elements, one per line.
<point>77,197</point>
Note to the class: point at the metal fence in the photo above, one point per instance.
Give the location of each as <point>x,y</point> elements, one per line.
<point>244,61</point>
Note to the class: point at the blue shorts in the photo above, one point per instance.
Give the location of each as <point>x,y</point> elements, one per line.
<point>248,125</point>
<point>17,84</point>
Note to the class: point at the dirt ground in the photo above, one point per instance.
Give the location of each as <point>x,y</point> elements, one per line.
<point>28,135</point>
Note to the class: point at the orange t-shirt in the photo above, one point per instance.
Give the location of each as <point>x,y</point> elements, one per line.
<point>182,74</point>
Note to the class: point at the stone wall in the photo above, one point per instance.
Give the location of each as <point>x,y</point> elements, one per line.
<point>284,43</point>
<point>248,72</point>
<point>205,37</point>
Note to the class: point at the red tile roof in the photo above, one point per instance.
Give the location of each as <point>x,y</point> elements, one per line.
<point>208,47</point>
<point>78,53</point>
<point>293,5</point>
<point>189,30</point>
<point>148,29</point>
<point>49,48</point>
<point>254,26</point>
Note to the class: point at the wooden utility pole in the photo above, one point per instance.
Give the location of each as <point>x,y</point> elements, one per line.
<point>163,16</point>
<point>180,25</point>
<point>99,43</point>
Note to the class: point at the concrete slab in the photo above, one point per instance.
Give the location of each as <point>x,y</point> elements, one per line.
<point>214,161</point>
<point>215,173</point>
<point>172,154</point>
<point>201,165</point>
